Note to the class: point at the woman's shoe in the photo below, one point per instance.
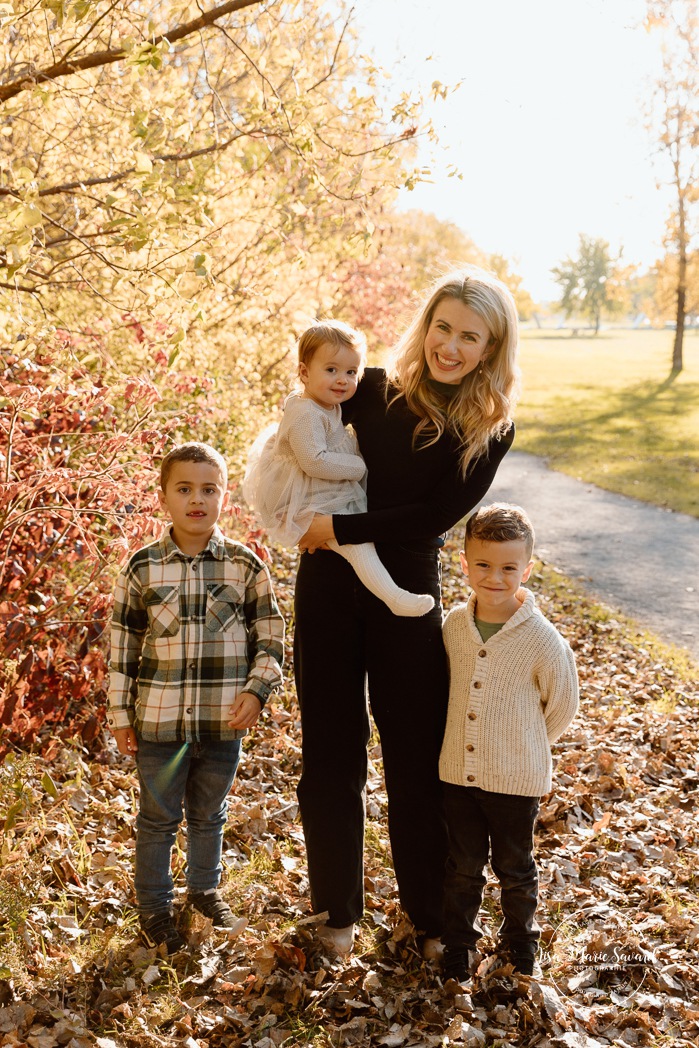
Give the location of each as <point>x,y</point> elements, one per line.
<point>340,940</point>
<point>432,949</point>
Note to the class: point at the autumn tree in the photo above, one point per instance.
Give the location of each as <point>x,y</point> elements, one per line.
<point>666,279</point>
<point>409,249</point>
<point>185,162</point>
<point>675,124</point>
<point>523,300</point>
<point>177,183</point>
<point>201,170</point>
<point>592,283</point>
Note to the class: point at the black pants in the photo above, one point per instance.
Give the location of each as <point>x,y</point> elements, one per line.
<point>346,638</point>
<point>501,824</point>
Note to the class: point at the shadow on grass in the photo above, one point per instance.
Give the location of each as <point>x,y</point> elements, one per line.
<point>637,400</point>
<point>643,402</point>
<point>635,445</point>
<point>570,336</point>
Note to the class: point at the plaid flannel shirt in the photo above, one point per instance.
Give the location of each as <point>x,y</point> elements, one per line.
<point>189,634</point>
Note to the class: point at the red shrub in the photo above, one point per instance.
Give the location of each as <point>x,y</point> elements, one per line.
<point>75,464</point>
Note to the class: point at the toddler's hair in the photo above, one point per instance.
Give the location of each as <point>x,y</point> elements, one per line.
<point>500,522</point>
<point>193,451</point>
<point>335,332</point>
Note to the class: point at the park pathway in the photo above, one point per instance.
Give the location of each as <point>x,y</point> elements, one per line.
<point>637,558</point>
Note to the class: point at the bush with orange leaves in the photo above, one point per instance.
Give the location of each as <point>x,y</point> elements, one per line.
<point>77,494</point>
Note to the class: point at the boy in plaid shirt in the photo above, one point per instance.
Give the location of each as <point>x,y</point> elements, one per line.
<point>197,645</point>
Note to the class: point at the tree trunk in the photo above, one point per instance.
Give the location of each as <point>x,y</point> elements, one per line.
<point>681,294</point>
<point>679,329</point>
<point>682,189</point>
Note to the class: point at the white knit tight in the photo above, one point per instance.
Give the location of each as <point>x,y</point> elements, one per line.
<point>365,561</point>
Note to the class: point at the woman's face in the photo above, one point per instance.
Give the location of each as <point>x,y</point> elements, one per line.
<point>456,341</point>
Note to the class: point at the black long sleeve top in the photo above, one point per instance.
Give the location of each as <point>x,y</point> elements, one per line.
<point>414,494</point>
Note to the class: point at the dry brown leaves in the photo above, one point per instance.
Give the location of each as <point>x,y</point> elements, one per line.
<point>617,849</point>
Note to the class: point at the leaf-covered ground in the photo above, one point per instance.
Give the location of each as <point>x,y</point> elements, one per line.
<point>617,849</point>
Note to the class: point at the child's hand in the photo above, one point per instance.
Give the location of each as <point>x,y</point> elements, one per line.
<point>126,740</point>
<point>245,711</point>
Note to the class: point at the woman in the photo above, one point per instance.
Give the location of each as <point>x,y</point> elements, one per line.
<point>432,431</point>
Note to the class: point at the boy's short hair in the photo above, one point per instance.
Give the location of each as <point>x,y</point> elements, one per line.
<point>194,451</point>
<point>500,522</point>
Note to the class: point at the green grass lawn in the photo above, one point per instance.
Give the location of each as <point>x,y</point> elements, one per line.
<point>606,409</point>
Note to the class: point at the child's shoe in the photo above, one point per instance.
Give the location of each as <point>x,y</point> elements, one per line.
<point>212,904</point>
<point>158,929</point>
<point>341,940</point>
<point>458,966</point>
<point>525,964</point>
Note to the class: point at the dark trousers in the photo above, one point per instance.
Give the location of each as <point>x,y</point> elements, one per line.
<point>502,825</point>
<point>345,640</point>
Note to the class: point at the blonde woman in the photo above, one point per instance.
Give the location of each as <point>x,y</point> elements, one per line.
<point>432,430</point>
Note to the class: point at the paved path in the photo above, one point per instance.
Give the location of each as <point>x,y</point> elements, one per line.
<point>637,558</point>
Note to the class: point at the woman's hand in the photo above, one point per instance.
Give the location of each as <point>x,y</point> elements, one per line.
<point>318,534</point>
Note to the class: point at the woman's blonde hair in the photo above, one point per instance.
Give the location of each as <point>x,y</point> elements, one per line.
<point>482,406</point>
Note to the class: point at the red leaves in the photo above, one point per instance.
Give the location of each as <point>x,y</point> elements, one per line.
<point>76,492</point>
<point>365,291</point>
<point>140,391</point>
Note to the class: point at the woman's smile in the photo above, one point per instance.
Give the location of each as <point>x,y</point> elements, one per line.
<point>457,340</point>
<point>447,363</point>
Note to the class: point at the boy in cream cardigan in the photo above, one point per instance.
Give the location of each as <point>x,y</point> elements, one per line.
<point>513,691</point>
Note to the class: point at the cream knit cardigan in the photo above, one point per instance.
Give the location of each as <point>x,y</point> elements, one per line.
<point>509,698</point>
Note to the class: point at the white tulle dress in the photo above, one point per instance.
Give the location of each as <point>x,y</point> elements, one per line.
<point>308,464</point>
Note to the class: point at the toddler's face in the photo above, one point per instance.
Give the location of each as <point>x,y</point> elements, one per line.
<point>332,375</point>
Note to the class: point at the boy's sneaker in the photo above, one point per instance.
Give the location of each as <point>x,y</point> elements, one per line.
<point>212,904</point>
<point>158,929</point>
<point>525,964</point>
<point>458,966</point>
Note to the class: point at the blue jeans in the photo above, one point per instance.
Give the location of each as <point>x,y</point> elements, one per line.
<point>502,825</point>
<point>192,778</point>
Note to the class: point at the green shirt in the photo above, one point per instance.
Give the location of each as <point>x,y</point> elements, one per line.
<point>487,629</point>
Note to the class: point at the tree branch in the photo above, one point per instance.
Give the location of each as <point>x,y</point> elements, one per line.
<point>20,287</point>
<point>331,67</point>
<point>165,158</point>
<point>90,29</point>
<point>67,66</point>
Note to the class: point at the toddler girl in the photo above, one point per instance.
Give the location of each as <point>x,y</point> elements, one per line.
<point>311,464</point>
